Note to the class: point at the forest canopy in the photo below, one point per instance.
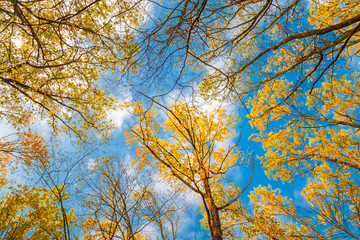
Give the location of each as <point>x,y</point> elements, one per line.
<point>182,119</point>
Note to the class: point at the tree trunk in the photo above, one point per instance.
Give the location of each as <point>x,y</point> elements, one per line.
<point>216,230</point>
<point>213,212</point>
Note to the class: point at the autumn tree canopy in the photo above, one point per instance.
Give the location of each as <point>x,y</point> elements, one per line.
<point>52,55</point>
<point>35,213</point>
<point>122,204</point>
<point>290,68</point>
<point>190,159</point>
<point>293,66</point>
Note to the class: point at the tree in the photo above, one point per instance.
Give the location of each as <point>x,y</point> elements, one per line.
<point>309,126</point>
<point>52,56</point>
<point>332,213</point>
<point>122,204</point>
<point>257,41</point>
<point>315,135</point>
<point>293,62</point>
<point>189,158</point>
<point>27,149</point>
<point>34,213</point>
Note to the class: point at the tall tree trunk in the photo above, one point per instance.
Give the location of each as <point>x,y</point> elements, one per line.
<point>215,221</point>
<point>213,212</point>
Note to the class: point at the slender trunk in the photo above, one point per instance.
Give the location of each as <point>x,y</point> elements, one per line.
<point>129,229</point>
<point>213,212</point>
<point>215,221</point>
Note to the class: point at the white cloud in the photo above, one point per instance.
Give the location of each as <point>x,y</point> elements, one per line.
<point>218,64</point>
<point>191,198</point>
<point>160,186</point>
<point>6,130</point>
<point>17,41</point>
<point>164,188</point>
<point>91,163</point>
<point>43,128</point>
<point>236,174</point>
<point>118,116</point>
